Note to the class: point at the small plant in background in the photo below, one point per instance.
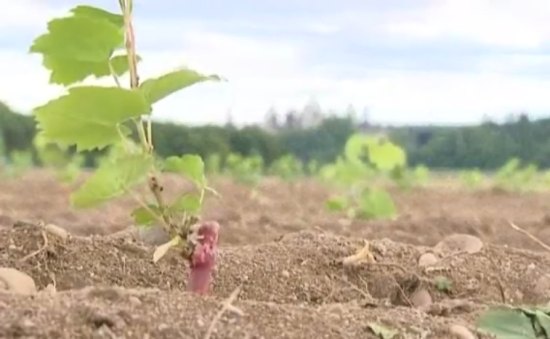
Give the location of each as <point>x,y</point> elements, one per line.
<point>213,164</point>
<point>515,177</point>
<point>365,158</point>
<point>18,163</point>
<point>247,170</point>
<point>92,42</point>
<point>472,179</point>
<point>287,167</point>
<point>67,166</point>
<point>407,178</point>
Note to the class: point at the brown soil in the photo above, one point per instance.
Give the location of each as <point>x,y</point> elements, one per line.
<point>283,253</point>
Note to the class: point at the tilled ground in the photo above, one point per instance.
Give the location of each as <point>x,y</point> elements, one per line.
<point>280,265</point>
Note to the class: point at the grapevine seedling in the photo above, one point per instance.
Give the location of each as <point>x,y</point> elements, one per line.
<point>93,43</point>
<point>364,158</point>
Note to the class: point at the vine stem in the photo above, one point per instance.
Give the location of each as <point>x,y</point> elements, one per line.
<point>130,43</point>
<point>145,134</point>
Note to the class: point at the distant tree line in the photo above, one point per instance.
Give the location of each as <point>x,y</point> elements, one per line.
<point>313,135</point>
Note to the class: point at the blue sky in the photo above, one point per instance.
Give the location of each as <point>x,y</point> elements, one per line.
<point>405,61</point>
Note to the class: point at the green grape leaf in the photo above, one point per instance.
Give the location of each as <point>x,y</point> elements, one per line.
<point>98,13</point>
<point>506,324</point>
<point>159,88</point>
<point>189,203</point>
<point>112,180</point>
<point>376,204</point>
<point>66,71</point>
<point>386,156</point>
<point>81,38</point>
<point>189,165</point>
<point>146,216</point>
<point>78,46</point>
<point>89,116</point>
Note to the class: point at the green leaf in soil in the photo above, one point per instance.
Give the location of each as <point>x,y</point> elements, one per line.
<point>189,165</point>
<point>81,45</point>
<point>89,116</point>
<point>543,320</point>
<point>188,203</point>
<point>443,284</point>
<point>506,324</point>
<point>146,216</point>
<point>381,331</point>
<point>376,204</point>
<point>159,88</point>
<point>112,180</point>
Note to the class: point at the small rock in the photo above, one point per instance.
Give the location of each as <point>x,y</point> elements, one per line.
<point>57,231</point>
<point>16,281</point>
<point>50,289</point>
<point>459,243</point>
<point>542,287</point>
<point>285,274</point>
<point>427,259</point>
<point>421,299</point>
<point>134,300</point>
<point>461,332</point>
<point>153,236</point>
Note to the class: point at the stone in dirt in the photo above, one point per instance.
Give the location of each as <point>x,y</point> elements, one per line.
<point>427,259</point>
<point>459,243</point>
<point>153,236</point>
<point>16,281</point>
<point>460,332</point>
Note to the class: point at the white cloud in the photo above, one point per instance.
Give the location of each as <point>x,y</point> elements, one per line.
<point>23,82</point>
<point>33,14</point>
<point>509,23</point>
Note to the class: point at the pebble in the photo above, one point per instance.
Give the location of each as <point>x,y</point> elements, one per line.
<point>542,287</point>
<point>16,281</point>
<point>421,298</point>
<point>153,236</point>
<point>459,243</point>
<point>461,332</point>
<point>57,231</point>
<point>427,259</point>
<point>134,300</point>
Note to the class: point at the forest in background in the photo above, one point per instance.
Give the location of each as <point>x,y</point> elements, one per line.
<point>313,135</point>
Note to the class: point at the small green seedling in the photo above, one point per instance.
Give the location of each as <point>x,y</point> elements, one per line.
<point>93,43</point>
<point>365,158</point>
<point>443,284</point>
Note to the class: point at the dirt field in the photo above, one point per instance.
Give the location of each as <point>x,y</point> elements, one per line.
<point>282,252</point>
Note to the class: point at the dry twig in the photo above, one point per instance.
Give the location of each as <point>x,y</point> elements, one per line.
<point>226,306</point>
<point>38,251</point>
<point>529,235</point>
